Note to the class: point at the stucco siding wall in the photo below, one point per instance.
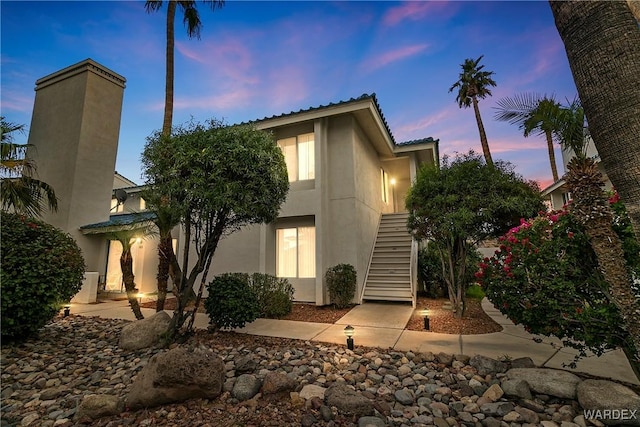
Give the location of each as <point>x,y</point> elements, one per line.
<point>368,202</point>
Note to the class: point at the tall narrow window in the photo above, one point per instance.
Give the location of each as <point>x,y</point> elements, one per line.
<point>143,204</point>
<point>299,156</point>
<point>116,207</point>
<point>384,185</point>
<point>296,252</point>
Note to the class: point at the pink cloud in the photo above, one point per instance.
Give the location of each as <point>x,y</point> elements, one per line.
<point>389,57</point>
<point>224,101</point>
<point>416,10</point>
<point>17,101</point>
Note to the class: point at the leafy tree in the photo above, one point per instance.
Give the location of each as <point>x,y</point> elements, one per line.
<point>20,192</point>
<point>191,19</point>
<point>533,113</point>
<point>607,83</point>
<point>463,202</point>
<point>474,83</point>
<point>218,179</point>
<point>42,269</point>
<point>546,277</point>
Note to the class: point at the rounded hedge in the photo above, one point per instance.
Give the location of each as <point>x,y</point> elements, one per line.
<point>231,302</point>
<point>341,282</point>
<point>42,269</point>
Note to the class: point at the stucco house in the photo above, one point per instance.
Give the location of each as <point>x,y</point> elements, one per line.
<point>348,181</point>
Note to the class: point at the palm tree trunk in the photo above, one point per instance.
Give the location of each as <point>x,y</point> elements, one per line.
<point>591,208</point>
<point>165,252</point>
<point>552,155</point>
<point>483,134</point>
<point>602,40</point>
<point>168,96</point>
<point>126,265</point>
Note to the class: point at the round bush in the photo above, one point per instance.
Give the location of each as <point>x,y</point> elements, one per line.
<point>42,269</point>
<point>231,302</point>
<point>341,282</point>
<point>545,276</point>
<point>275,295</point>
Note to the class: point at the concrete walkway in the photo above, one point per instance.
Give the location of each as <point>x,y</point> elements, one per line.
<point>382,325</point>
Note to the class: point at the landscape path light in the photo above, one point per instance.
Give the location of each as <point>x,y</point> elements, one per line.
<point>425,313</point>
<point>349,331</point>
<point>67,310</point>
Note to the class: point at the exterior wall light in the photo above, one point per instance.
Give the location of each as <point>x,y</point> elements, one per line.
<point>392,181</point>
<point>140,295</point>
<point>67,310</point>
<point>349,331</point>
<point>425,313</point>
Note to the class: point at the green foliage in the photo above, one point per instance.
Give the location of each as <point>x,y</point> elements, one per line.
<point>231,302</point>
<point>475,291</point>
<point>462,202</point>
<point>215,179</point>
<point>545,276</point>
<point>42,269</point>
<point>430,277</point>
<point>274,295</point>
<point>341,282</point>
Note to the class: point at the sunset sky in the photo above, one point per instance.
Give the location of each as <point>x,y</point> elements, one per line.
<point>257,59</point>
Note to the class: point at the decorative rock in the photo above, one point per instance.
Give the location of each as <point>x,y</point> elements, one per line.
<point>175,376</point>
<point>312,390</point>
<point>523,362</point>
<point>499,408</point>
<point>553,382</point>
<point>486,365</point>
<point>276,382</point>
<point>144,333</point>
<point>493,393</point>
<point>246,387</point>
<point>445,358</point>
<point>622,404</point>
<point>404,396</point>
<point>348,401</point>
<point>29,419</point>
<point>245,364</point>
<point>528,416</point>
<point>516,388</point>
<point>371,422</point>
<point>99,405</point>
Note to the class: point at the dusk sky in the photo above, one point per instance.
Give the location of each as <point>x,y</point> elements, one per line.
<point>257,59</point>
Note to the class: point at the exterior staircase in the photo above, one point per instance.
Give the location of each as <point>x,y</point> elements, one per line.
<point>390,270</point>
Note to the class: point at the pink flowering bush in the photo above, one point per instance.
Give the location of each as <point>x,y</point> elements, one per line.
<point>545,276</point>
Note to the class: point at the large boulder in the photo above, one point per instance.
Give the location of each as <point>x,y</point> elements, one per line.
<point>348,401</point>
<point>175,376</point>
<point>144,333</point>
<point>553,382</point>
<point>98,405</point>
<point>608,402</point>
<point>278,382</point>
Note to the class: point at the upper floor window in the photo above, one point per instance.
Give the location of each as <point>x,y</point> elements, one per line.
<point>143,204</point>
<point>116,207</point>
<point>299,155</point>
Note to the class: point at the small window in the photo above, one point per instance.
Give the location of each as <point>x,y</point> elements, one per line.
<point>143,204</point>
<point>116,207</point>
<point>299,155</point>
<point>296,252</point>
<point>566,198</point>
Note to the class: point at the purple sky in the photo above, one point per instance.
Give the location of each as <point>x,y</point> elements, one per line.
<point>258,59</point>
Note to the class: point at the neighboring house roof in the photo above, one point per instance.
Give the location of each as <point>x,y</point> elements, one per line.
<point>120,222</point>
<point>551,188</point>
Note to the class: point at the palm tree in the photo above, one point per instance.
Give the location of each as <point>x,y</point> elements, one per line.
<point>533,113</point>
<point>127,237</point>
<point>473,83</point>
<point>191,19</point>
<point>591,208</point>
<point>607,83</point>
<point>20,192</point>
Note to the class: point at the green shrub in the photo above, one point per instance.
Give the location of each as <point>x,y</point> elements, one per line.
<point>475,292</point>
<point>341,282</point>
<point>42,269</point>
<point>430,278</point>
<point>275,295</point>
<point>545,276</point>
<point>231,302</point>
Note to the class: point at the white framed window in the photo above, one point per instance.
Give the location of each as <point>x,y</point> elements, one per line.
<point>384,185</point>
<point>299,155</point>
<point>566,198</point>
<point>116,207</point>
<point>296,252</point>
